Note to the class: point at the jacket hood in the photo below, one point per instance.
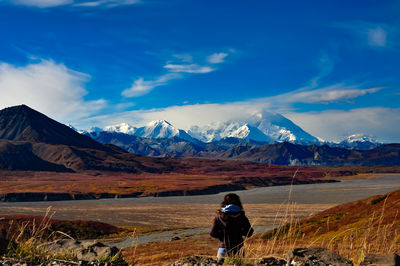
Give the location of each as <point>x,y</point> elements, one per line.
<point>229,214</point>
<point>231,208</point>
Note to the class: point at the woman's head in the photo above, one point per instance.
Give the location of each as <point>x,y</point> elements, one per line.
<point>231,198</point>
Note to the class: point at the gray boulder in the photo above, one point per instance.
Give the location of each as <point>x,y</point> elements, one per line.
<point>195,261</point>
<point>315,257</point>
<point>381,260</point>
<point>87,250</point>
<point>271,261</point>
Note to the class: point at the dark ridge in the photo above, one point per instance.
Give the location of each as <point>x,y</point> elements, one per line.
<point>20,156</point>
<point>22,123</point>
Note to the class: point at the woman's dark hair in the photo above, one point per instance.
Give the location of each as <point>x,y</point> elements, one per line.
<point>232,198</point>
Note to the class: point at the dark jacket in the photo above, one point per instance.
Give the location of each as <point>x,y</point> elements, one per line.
<point>230,229</point>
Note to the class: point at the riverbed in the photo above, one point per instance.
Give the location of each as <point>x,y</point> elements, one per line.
<point>188,216</point>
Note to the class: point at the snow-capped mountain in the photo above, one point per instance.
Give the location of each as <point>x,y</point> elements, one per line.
<point>280,128</point>
<point>161,129</point>
<point>360,142</point>
<point>218,131</point>
<point>249,132</point>
<point>360,138</point>
<point>154,130</point>
<point>264,126</point>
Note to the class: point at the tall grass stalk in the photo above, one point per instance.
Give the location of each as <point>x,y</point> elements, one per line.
<point>370,236</point>
<point>25,243</point>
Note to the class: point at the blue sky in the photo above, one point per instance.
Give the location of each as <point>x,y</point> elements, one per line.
<point>330,66</point>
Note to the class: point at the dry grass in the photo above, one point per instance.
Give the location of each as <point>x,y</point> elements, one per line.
<point>27,234</point>
<point>353,230</point>
<point>26,240</point>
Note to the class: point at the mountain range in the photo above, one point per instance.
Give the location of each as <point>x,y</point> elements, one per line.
<point>284,153</point>
<point>30,140</point>
<point>262,128</point>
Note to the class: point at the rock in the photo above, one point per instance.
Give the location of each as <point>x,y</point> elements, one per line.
<point>271,261</point>
<point>315,257</point>
<point>195,261</point>
<point>82,250</point>
<point>175,238</point>
<point>387,260</point>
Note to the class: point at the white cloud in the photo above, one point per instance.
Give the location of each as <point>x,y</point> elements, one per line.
<point>202,114</point>
<point>334,125</point>
<point>180,116</point>
<point>75,3</point>
<point>42,3</point>
<point>334,93</point>
<point>141,87</point>
<point>377,37</point>
<point>325,64</point>
<point>217,58</point>
<point>48,87</point>
<point>372,35</point>
<point>188,68</point>
<point>175,71</point>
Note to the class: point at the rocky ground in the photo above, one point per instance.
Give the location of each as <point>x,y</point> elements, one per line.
<point>299,257</point>
<point>89,252</point>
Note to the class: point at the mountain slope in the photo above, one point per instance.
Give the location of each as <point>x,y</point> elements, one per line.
<point>265,126</point>
<point>280,128</point>
<point>22,123</point>
<point>32,141</point>
<point>161,147</point>
<point>359,142</point>
<point>19,155</point>
<point>354,229</point>
<point>248,150</point>
<point>158,129</point>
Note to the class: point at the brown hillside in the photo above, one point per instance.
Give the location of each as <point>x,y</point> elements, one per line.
<point>78,229</point>
<point>22,123</point>
<point>372,214</point>
<point>354,229</point>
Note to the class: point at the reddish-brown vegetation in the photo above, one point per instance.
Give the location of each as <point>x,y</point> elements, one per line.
<point>183,176</point>
<point>188,176</point>
<point>12,224</point>
<point>373,214</point>
<point>354,229</point>
<point>161,253</point>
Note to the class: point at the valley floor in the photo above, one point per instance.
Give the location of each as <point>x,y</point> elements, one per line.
<point>186,219</point>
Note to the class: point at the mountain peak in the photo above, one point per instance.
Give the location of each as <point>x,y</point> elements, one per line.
<point>23,123</point>
<point>358,141</point>
<point>156,129</point>
<point>159,123</point>
<point>280,128</point>
<point>360,137</point>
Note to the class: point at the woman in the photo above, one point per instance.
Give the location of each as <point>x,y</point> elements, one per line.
<point>230,225</point>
